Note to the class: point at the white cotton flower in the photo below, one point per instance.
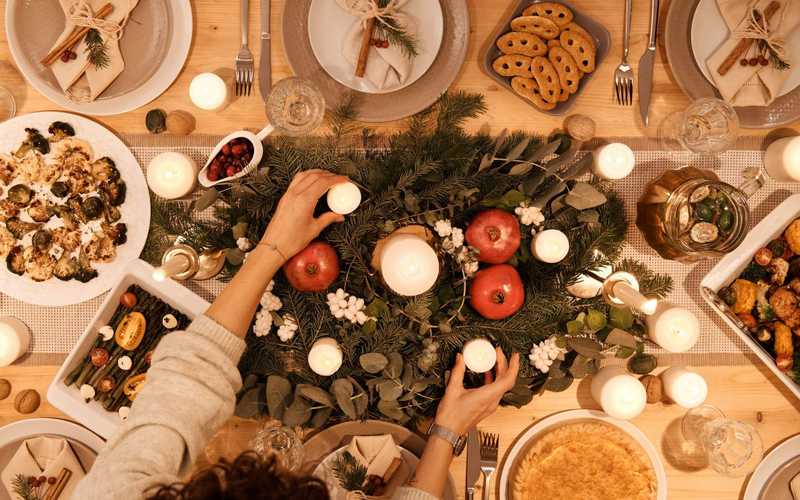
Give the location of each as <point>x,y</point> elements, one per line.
<point>263,323</point>
<point>443,227</point>
<point>244,244</point>
<point>471,267</point>
<point>270,285</point>
<point>529,215</point>
<point>544,353</point>
<point>345,306</point>
<point>287,330</point>
<point>457,236</point>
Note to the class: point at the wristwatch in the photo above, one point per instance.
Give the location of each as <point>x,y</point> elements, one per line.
<point>458,442</point>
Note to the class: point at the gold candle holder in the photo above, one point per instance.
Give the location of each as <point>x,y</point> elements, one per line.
<point>621,289</point>
<point>181,262</point>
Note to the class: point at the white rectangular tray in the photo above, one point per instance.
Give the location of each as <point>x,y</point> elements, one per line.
<point>732,265</point>
<point>68,399</point>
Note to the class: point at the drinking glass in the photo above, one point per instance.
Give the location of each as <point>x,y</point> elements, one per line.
<point>732,448</point>
<point>283,442</point>
<point>708,126</point>
<point>295,106</point>
<point>8,107</point>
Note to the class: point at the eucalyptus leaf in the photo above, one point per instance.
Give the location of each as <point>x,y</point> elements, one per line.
<point>642,364</point>
<point>279,394</point>
<point>516,151</point>
<point>624,352</point>
<point>579,367</point>
<point>342,390</point>
<point>395,367</point>
<point>486,162</point>
<point>389,390</point>
<point>206,199</point>
<point>373,362</point>
<point>544,151</point>
<point>521,169</point>
<point>622,338</point>
<point>234,256</point>
<point>321,417</point>
<point>556,369</point>
<point>558,384</point>
<point>316,394</point>
<point>249,381</point>
<point>392,410</point>
<point>376,309</point>
<point>584,196</point>
<point>249,406</point>
<point>297,414</point>
<point>408,375</point>
<point>585,346</point>
<point>420,385</point>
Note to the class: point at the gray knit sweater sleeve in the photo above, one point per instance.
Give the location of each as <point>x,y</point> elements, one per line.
<point>190,393</point>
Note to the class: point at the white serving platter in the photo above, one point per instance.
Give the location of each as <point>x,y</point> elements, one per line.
<point>761,481</point>
<point>68,399</point>
<point>732,265</point>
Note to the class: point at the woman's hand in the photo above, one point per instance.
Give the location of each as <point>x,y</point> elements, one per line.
<point>293,225</point>
<point>461,409</point>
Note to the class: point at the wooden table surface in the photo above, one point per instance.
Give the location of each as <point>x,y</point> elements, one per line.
<point>748,393</point>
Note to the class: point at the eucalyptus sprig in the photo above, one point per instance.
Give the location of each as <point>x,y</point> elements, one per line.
<point>96,49</point>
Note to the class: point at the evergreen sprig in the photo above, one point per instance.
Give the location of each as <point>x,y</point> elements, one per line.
<point>351,475</point>
<point>24,489</point>
<point>396,33</point>
<point>96,49</point>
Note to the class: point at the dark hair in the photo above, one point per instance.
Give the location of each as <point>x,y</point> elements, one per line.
<point>249,477</point>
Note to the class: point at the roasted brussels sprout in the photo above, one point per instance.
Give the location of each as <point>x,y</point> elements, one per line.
<point>19,228</point>
<point>74,206</point>
<point>114,193</point>
<point>755,273</point>
<point>92,208</point>
<point>59,130</point>
<point>111,214</point>
<point>39,211</point>
<point>778,247</point>
<point>42,240</point>
<point>20,194</point>
<point>794,269</point>
<point>66,267</point>
<point>105,170</point>
<point>59,189</point>
<point>118,233</point>
<point>35,141</point>
<point>15,261</point>
<point>65,213</point>
<point>85,272</point>
<point>728,294</point>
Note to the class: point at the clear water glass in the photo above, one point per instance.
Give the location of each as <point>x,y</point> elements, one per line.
<point>707,126</point>
<point>8,107</point>
<point>732,448</point>
<point>295,106</point>
<point>283,442</point>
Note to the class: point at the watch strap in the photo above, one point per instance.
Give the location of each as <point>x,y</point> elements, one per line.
<point>456,441</point>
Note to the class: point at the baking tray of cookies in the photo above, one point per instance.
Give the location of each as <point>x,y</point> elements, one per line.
<point>546,53</point>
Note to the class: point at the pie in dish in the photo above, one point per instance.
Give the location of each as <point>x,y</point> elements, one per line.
<point>587,460</point>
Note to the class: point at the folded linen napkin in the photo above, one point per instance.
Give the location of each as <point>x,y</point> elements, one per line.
<point>752,85</point>
<point>386,67</point>
<point>379,454</point>
<point>43,456</point>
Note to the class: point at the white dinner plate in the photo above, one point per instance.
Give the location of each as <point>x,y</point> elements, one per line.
<point>559,419</point>
<point>135,212</point>
<point>709,31</point>
<point>154,47</point>
<point>765,483</point>
<point>329,24</point>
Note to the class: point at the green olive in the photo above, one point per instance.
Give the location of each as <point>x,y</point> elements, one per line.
<point>704,212</point>
<point>725,220</point>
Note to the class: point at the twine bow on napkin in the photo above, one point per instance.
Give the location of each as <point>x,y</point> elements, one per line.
<point>759,28</point>
<point>386,67</point>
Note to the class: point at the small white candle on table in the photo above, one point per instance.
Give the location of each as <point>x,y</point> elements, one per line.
<point>613,161</point>
<point>325,357</point>
<point>622,289</point>
<point>782,159</point>
<point>673,328</point>
<point>684,387</point>
<point>550,246</point>
<point>15,337</point>
<point>172,175</point>
<point>208,92</point>
<point>620,394</point>
<point>344,198</point>
<point>479,355</point>
<point>409,265</point>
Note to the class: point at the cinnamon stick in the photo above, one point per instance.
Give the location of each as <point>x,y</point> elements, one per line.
<point>745,43</point>
<point>77,33</point>
<point>54,491</point>
<point>366,42</point>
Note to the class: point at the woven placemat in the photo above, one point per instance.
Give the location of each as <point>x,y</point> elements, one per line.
<point>55,330</point>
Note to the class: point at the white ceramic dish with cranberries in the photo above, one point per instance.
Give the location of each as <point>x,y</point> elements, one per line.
<point>232,152</point>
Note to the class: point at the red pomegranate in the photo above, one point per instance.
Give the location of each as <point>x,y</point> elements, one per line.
<point>497,292</point>
<point>495,234</point>
<point>314,268</point>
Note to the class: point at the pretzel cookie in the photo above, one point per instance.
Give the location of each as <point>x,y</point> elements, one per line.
<point>556,12</point>
<point>547,77</point>
<point>537,25</point>
<point>568,73</point>
<point>553,43</point>
<point>529,89</point>
<point>580,49</point>
<point>513,65</point>
<point>579,29</point>
<point>526,44</point>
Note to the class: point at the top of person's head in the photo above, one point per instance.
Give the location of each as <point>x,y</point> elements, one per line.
<point>248,478</point>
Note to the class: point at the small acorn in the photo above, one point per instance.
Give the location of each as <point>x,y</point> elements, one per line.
<point>180,123</point>
<point>27,401</point>
<point>653,387</point>
<point>5,388</point>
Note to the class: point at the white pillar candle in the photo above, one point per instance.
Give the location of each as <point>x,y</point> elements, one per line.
<point>782,159</point>
<point>344,198</point>
<point>550,246</point>
<point>684,387</point>
<point>325,357</point>
<point>479,355</point>
<point>622,289</point>
<point>673,328</point>
<point>409,265</point>
<point>620,394</point>
<point>208,91</point>
<point>14,339</point>
<point>613,161</point>
<point>172,175</point>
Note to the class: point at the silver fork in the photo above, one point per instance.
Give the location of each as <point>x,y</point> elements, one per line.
<point>623,76</point>
<point>489,445</point>
<point>245,72</point>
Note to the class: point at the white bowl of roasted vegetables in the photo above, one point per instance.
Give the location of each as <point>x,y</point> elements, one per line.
<point>74,208</point>
<point>756,290</point>
<point>105,371</point>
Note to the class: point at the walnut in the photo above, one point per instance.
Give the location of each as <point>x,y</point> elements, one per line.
<point>27,401</point>
<point>746,293</point>
<point>654,388</point>
<point>792,236</point>
<point>5,388</point>
<point>180,123</point>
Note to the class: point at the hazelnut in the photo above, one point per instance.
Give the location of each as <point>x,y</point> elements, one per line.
<point>180,123</point>
<point>5,388</point>
<point>27,401</point>
<point>653,387</point>
<point>580,127</point>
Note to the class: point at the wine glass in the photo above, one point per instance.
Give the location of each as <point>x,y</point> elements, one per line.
<point>708,126</point>
<point>732,448</point>
<point>8,107</point>
<point>281,441</point>
<point>295,106</point>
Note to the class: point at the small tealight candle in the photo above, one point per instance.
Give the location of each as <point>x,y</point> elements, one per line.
<point>325,357</point>
<point>620,394</point>
<point>588,287</point>
<point>782,160</point>
<point>550,246</point>
<point>409,265</point>
<point>14,339</point>
<point>344,198</point>
<point>208,91</point>
<point>479,355</point>
<point>673,328</point>
<point>613,161</point>
<point>172,175</point>
<point>684,387</point>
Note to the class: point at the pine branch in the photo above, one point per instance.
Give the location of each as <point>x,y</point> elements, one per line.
<point>24,489</point>
<point>96,49</point>
<point>650,283</point>
<point>349,472</point>
<point>392,30</point>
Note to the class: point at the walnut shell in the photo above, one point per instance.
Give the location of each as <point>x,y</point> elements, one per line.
<point>5,388</point>
<point>580,127</point>
<point>27,401</point>
<point>653,387</point>
<point>180,123</point>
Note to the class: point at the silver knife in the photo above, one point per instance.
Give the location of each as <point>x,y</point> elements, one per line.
<point>646,65</point>
<point>265,63</point>
<point>473,462</point>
